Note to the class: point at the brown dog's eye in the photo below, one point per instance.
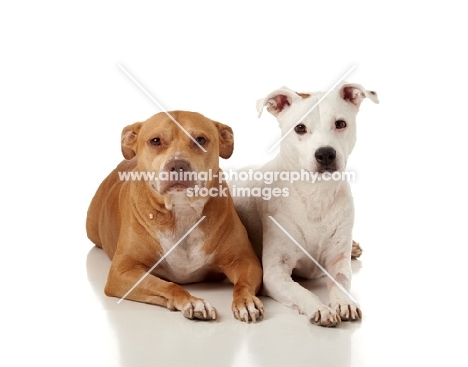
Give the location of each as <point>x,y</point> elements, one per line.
<point>340,124</point>
<point>300,129</point>
<point>155,141</point>
<point>201,140</point>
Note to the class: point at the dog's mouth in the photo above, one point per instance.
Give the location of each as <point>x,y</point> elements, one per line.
<point>169,187</point>
<point>178,187</point>
<point>327,169</point>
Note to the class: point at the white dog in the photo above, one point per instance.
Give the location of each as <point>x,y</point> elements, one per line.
<point>318,216</point>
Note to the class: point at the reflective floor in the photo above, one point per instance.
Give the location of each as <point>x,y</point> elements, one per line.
<point>69,321</point>
<point>140,334</point>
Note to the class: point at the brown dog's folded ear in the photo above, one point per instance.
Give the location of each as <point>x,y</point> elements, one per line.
<point>226,140</point>
<point>356,93</point>
<point>129,140</point>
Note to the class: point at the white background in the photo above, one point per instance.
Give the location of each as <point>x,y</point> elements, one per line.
<point>64,102</point>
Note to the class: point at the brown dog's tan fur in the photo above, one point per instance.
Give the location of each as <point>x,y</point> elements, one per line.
<point>127,219</point>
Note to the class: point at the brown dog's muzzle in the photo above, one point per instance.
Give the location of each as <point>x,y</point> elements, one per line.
<point>179,175</point>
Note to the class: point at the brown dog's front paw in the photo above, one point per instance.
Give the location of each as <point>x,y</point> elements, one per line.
<point>199,309</point>
<point>247,309</point>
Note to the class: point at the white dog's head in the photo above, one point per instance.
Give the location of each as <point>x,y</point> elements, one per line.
<point>318,135</point>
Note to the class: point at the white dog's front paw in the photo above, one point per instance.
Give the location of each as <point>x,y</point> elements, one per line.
<point>348,311</point>
<point>199,309</point>
<point>324,316</point>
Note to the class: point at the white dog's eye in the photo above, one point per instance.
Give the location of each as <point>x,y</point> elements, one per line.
<point>340,124</point>
<point>300,129</point>
<point>155,141</point>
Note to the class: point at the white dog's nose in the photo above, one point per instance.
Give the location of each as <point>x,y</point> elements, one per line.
<point>325,155</point>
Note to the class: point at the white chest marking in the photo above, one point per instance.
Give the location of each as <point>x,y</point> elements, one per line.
<point>188,262</point>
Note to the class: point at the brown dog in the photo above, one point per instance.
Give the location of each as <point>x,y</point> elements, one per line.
<point>138,221</point>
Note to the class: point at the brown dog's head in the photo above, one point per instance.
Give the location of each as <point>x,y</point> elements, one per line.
<point>178,150</point>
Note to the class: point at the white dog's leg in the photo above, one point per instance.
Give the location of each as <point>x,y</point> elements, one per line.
<point>340,269</point>
<point>278,284</point>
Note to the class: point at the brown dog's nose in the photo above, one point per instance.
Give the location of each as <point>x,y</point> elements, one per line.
<point>325,155</point>
<point>178,165</point>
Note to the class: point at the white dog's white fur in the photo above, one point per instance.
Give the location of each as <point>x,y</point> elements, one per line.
<point>319,215</point>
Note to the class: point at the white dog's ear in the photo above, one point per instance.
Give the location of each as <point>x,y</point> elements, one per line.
<point>277,101</point>
<point>356,93</point>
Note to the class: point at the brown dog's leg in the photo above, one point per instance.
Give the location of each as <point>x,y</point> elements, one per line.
<point>246,275</point>
<point>156,291</point>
